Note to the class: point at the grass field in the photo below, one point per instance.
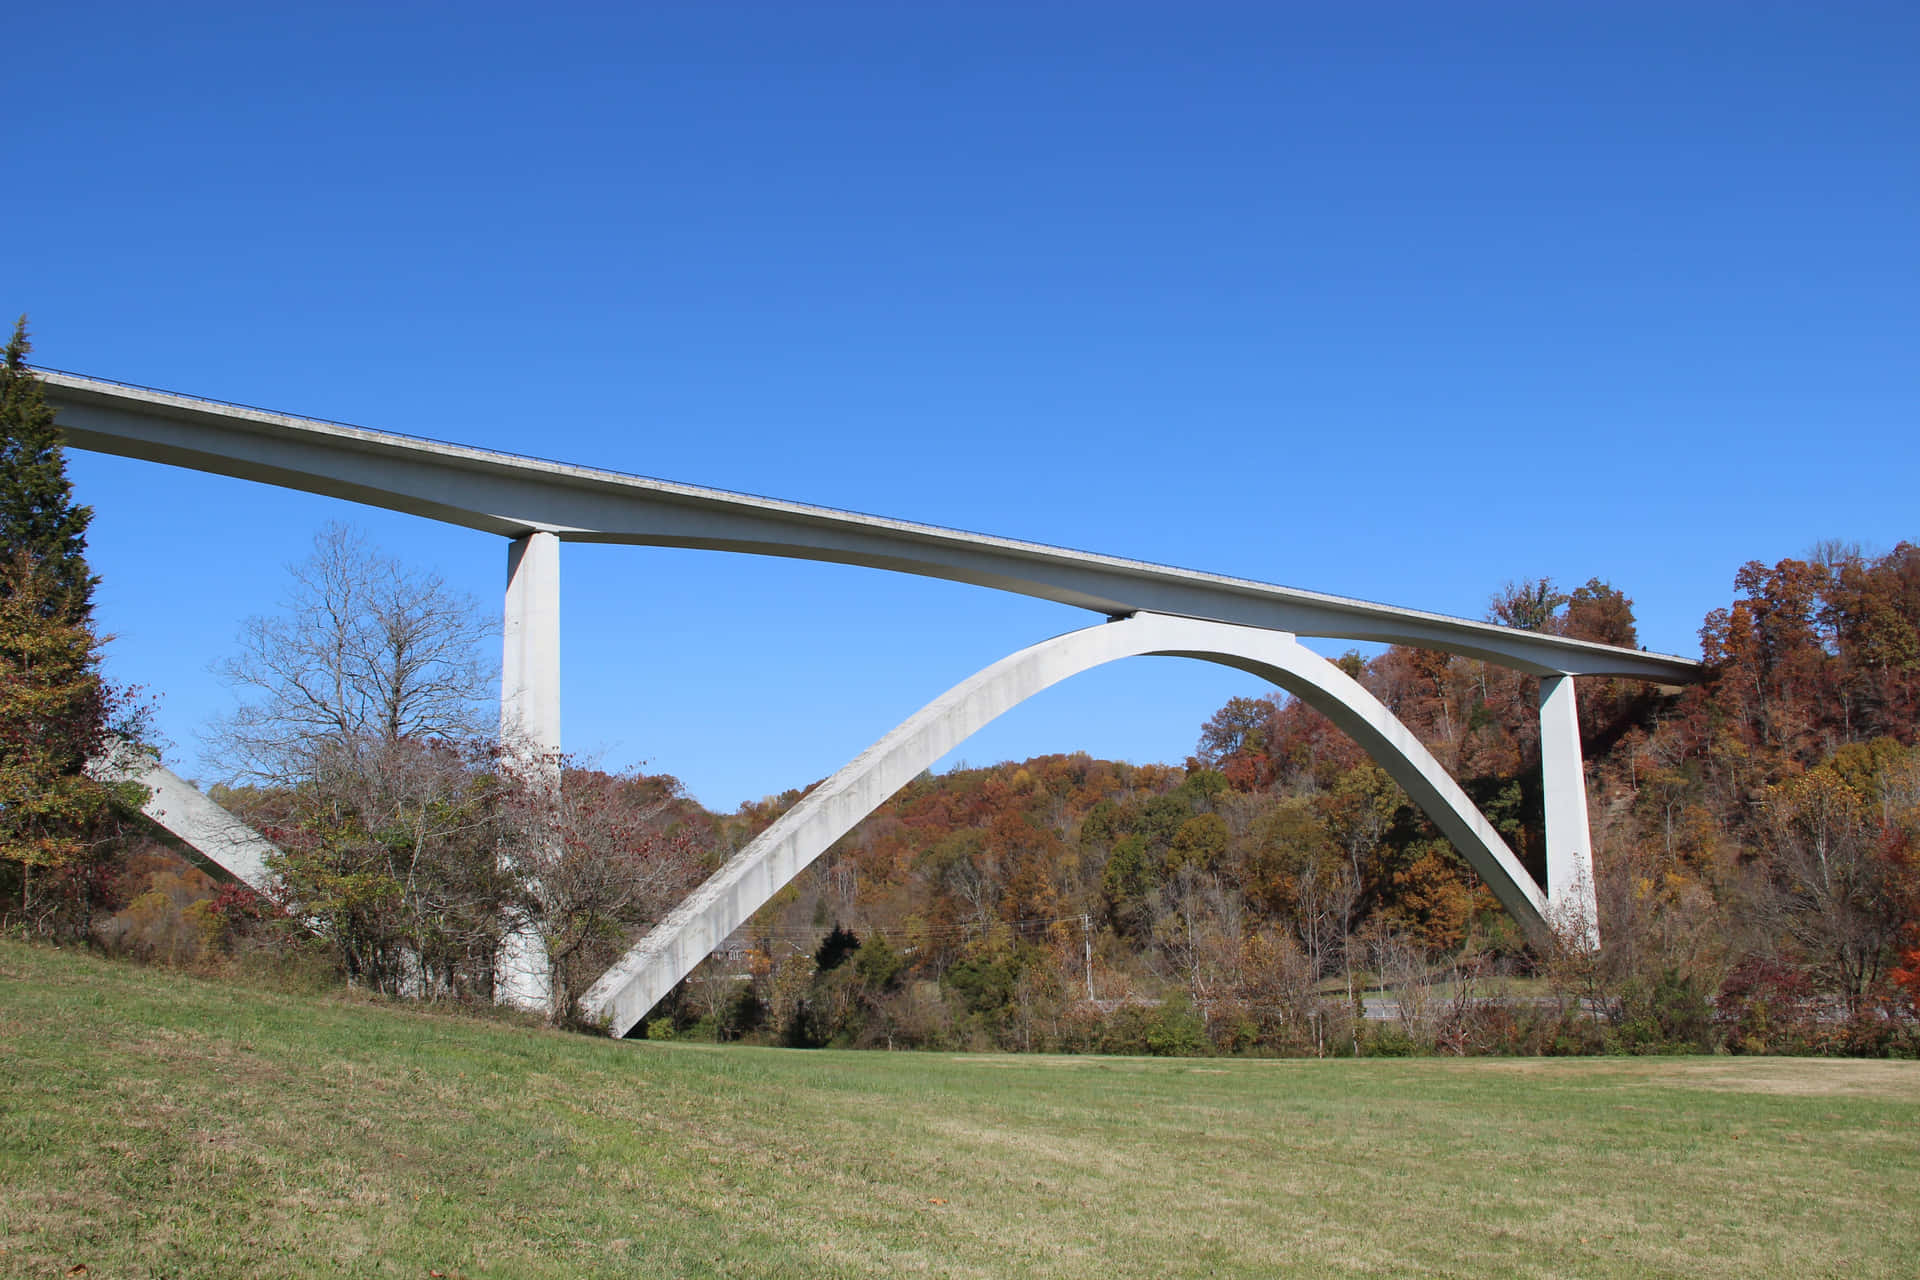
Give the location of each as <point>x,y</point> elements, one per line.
<point>157,1125</point>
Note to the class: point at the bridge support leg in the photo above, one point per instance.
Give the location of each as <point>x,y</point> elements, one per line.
<point>1571,905</point>
<point>530,729</point>
<point>530,648</point>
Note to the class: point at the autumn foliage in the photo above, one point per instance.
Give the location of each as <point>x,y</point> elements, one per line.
<point>1755,841</point>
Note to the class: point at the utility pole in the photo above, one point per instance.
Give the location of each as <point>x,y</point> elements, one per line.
<point>1086,942</point>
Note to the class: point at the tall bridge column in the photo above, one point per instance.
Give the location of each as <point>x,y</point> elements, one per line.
<point>530,730</point>
<point>1571,905</point>
<point>530,648</point>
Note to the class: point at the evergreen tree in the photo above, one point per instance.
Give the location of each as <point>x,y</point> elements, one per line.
<point>38,516</point>
<point>56,822</point>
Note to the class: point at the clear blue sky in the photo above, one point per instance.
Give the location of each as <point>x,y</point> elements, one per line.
<point>1399,301</point>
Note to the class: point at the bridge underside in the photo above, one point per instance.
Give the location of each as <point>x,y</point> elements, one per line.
<point>517,497</point>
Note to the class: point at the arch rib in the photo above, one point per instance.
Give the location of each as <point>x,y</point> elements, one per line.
<point>629,990</point>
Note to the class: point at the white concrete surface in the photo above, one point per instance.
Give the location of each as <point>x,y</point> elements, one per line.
<point>522,974</point>
<point>530,648</point>
<point>628,991</point>
<point>1572,907</point>
<point>530,734</point>
<point>514,496</point>
<point>227,846</point>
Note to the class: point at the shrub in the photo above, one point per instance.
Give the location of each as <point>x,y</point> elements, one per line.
<point>1389,1040</point>
<point>1176,1030</point>
<point>1669,1015</point>
<point>1765,1006</point>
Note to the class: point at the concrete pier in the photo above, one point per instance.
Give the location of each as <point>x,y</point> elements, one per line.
<point>530,734</point>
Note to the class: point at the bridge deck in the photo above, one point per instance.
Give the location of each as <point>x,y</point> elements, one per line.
<point>510,495</point>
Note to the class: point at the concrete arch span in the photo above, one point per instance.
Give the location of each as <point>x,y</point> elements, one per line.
<point>629,990</point>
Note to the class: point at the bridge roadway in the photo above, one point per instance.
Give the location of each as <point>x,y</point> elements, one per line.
<point>515,496</point>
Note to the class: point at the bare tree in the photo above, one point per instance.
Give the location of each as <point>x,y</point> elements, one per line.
<point>363,721</point>
<point>1199,928</point>
<point>1835,892</point>
<point>364,649</point>
<point>600,858</point>
<point>426,848</point>
<point>1401,963</point>
<point>1280,986</point>
<point>1327,892</point>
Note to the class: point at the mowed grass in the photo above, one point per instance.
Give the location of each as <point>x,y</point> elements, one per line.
<point>157,1125</point>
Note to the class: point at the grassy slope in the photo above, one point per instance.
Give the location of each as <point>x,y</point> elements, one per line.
<point>152,1124</point>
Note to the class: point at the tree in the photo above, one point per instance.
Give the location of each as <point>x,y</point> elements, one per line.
<point>1530,606</point>
<point>1600,612</point>
<point>38,517</point>
<point>416,841</point>
<point>364,735</point>
<point>1837,893</point>
<point>54,707</point>
<point>1243,725</point>
<point>391,850</point>
<point>54,713</point>
<point>1873,609</point>
<point>599,860</point>
<point>1772,671</point>
<point>366,649</point>
<point>1200,842</point>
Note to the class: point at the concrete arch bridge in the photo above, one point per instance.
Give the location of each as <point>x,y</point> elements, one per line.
<point>536,505</point>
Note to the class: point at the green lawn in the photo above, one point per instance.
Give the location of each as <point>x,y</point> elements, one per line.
<point>157,1125</point>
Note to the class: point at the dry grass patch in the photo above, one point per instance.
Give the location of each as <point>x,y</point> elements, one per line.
<point>1802,1077</point>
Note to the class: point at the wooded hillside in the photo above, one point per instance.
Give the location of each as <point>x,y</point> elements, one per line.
<point>1754,845</point>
